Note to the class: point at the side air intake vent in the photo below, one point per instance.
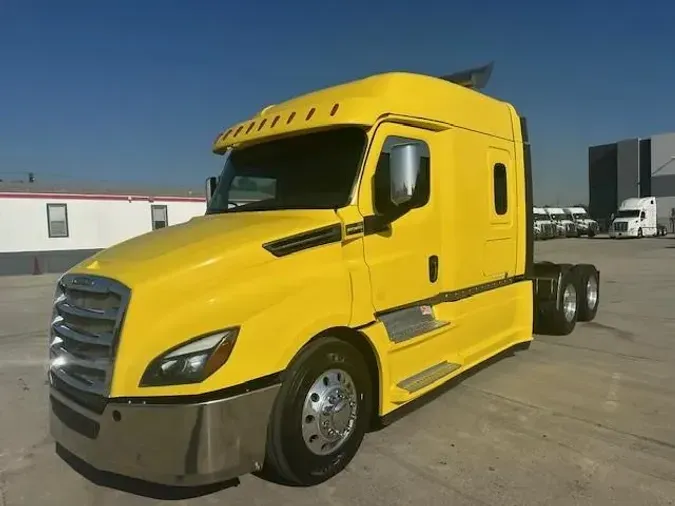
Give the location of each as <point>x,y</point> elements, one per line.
<point>305,240</point>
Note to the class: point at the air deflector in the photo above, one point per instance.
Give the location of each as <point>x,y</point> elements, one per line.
<point>475,78</point>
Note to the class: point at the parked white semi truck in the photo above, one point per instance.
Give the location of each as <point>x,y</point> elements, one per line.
<point>636,217</point>
<point>585,225</point>
<point>544,228</point>
<point>564,222</point>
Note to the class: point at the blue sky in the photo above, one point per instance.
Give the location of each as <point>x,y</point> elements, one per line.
<point>136,90</point>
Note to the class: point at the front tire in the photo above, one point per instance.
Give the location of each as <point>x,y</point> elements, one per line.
<point>321,414</point>
<point>639,233</point>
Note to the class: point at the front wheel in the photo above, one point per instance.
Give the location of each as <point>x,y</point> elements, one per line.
<point>591,233</point>
<point>321,414</point>
<point>639,233</point>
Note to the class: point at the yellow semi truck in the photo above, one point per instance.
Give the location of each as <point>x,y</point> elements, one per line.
<point>391,250</point>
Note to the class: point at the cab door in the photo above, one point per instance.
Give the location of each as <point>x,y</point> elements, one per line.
<point>403,255</point>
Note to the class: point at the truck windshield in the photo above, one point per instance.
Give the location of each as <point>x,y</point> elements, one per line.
<point>628,213</point>
<point>310,171</point>
<point>540,217</point>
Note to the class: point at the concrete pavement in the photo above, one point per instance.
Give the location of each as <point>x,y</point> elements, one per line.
<point>587,419</point>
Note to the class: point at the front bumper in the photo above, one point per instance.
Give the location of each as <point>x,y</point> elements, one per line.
<point>170,444</point>
<point>613,234</point>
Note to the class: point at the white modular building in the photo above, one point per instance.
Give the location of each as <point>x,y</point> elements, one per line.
<point>45,230</point>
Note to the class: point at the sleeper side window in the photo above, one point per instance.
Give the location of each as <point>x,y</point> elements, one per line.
<point>57,220</point>
<point>160,218</point>
<point>383,204</point>
<point>500,189</point>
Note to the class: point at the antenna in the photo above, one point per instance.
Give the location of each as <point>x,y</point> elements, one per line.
<point>475,78</point>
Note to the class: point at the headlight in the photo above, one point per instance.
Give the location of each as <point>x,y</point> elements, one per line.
<point>191,362</point>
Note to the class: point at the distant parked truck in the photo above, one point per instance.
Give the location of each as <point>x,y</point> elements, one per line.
<point>563,221</point>
<point>636,217</point>
<point>544,228</point>
<point>585,225</point>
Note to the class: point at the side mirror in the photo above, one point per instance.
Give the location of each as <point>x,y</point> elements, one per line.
<point>211,183</point>
<point>404,163</point>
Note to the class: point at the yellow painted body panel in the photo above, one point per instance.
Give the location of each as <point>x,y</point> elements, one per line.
<point>364,101</point>
<point>212,272</point>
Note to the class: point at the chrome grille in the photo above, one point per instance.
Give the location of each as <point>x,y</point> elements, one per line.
<point>621,226</point>
<point>87,318</point>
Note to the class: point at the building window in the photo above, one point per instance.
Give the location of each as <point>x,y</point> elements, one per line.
<point>57,220</point>
<point>500,189</point>
<point>160,217</point>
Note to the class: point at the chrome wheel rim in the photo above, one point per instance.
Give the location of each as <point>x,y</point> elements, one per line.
<point>591,292</point>
<point>570,302</point>
<point>329,412</point>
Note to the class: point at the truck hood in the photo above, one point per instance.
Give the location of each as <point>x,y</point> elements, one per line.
<point>630,221</point>
<point>234,239</point>
<point>586,222</point>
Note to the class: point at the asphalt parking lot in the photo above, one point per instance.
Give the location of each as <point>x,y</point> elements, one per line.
<point>587,419</point>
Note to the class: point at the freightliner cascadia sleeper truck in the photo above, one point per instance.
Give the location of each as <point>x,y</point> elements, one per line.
<point>391,250</point>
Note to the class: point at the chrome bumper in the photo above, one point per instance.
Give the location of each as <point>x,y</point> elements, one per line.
<point>170,444</point>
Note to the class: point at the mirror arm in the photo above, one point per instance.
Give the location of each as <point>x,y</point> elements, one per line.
<point>378,223</point>
<point>375,224</point>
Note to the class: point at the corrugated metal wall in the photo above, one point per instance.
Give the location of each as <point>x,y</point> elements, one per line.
<point>627,169</point>
<point>602,181</point>
<point>632,168</point>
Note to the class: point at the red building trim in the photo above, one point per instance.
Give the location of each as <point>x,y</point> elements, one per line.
<point>96,196</point>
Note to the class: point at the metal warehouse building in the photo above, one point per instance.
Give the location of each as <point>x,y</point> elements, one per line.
<point>632,168</point>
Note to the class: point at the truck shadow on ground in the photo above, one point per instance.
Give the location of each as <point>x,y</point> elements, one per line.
<point>136,486</point>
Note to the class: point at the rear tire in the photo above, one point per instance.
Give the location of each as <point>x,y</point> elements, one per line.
<point>588,289</point>
<point>321,414</point>
<point>561,320</point>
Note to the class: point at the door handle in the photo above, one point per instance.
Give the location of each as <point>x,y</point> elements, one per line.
<point>433,268</point>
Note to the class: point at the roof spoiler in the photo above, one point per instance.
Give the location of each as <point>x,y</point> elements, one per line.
<point>475,78</point>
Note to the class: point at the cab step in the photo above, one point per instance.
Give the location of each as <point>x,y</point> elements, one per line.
<point>428,376</point>
<point>410,322</point>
